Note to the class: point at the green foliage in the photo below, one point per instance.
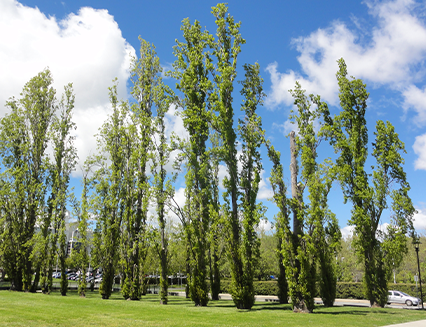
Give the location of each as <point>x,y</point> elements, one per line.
<point>282,218</point>
<point>251,134</point>
<point>350,290</point>
<point>216,228</point>
<point>225,50</point>
<point>82,254</point>
<point>191,69</point>
<point>347,132</point>
<point>163,188</point>
<point>110,189</point>
<point>206,70</point>
<point>315,234</point>
<point>267,263</point>
<point>28,177</point>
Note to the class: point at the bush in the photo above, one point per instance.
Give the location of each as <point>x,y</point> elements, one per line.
<point>266,288</point>
<point>260,287</point>
<point>343,290</point>
<point>350,291</point>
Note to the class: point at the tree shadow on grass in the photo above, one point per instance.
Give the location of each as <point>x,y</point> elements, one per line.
<point>221,305</point>
<point>211,304</point>
<point>354,312</point>
<point>271,306</point>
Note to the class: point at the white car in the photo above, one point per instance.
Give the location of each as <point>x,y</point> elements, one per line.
<point>401,297</point>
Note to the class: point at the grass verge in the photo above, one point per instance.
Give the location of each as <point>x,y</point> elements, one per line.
<point>27,309</point>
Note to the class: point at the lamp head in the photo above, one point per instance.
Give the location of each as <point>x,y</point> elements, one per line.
<point>416,243</point>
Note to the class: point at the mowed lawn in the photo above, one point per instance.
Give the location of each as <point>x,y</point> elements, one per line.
<point>27,309</point>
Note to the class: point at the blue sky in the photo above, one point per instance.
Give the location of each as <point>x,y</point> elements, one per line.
<point>90,42</point>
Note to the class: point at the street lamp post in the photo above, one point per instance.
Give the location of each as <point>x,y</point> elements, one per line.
<point>417,243</point>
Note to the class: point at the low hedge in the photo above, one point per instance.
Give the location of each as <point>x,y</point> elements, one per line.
<point>260,288</point>
<point>356,290</point>
<point>350,291</point>
<point>343,290</point>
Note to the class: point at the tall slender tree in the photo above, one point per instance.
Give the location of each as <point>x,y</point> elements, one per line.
<point>226,49</point>
<point>216,217</point>
<point>163,189</point>
<point>191,69</point>
<point>317,180</point>
<point>146,89</point>
<point>82,212</point>
<point>283,216</point>
<point>24,136</point>
<point>252,135</point>
<point>65,155</point>
<point>348,135</point>
<point>111,184</point>
<point>207,82</point>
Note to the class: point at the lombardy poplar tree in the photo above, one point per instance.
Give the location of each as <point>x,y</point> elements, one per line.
<point>216,217</point>
<point>81,254</point>
<point>207,81</point>
<point>283,216</point>
<point>191,69</point>
<point>24,136</point>
<point>65,155</point>
<point>134,204</point>
<point>252,135</point>
<point>110,187</point>
<point>317,224</point>
<point>226,49</point>
<point>162,189</point>
<point>297,247</point>
<point>148,93</point>
<point>123,188</point>
<point>348,135</point>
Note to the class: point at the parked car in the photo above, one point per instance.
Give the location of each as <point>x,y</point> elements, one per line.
<point>401,297</point>
<point>71,276</point>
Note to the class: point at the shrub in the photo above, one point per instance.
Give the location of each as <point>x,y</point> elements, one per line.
<point>344,290</point>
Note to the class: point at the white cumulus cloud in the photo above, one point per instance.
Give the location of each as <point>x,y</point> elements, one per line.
<point>419,148</point>
<point>265,226</point>
<point>265,189</point>
<point>415,99</point>
<point>347,231</point>
<point>86,49</point>
<point>390,54</point>
<point>420,219</point>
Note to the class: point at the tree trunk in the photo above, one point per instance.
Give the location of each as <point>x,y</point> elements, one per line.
<point>282,281</point>
<point>294,187</point>
<point>164,279</point>
<point>298,300</point>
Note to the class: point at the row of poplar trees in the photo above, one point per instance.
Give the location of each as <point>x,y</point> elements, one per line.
<point>34,187</point>
<point>128,175</point>
<point>308,248</point>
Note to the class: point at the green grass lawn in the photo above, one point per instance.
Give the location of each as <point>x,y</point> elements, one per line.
<point>27,309</point>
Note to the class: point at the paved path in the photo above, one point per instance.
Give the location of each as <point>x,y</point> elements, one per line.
<point>419,323</point>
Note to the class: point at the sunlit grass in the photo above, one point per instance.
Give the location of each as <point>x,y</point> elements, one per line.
<point>27,309</point>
